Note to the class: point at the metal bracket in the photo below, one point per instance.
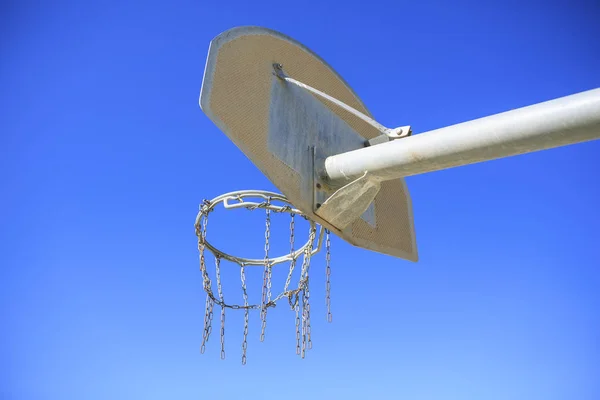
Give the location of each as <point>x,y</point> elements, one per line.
<point>387,133</point>
<point>343,205</point>
<point>398,133</point>
<point>349,202</point>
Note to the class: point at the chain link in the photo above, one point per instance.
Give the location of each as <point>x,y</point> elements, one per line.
<point>207,328</point>
<point>201,248</point>
<point>266,291</point>
<point>201,233</point>
<point>328,275</point>
<point>208,317</point>
<point>297,309</point>
<point>222,333</point>
<point>222,300</point>
<point>293,261</point>
<point>305,297</point>
<point>218,274</point>
<point>246,313</point>
<point>303,305</point>
<point>269,283</point>
<point>308,338</point>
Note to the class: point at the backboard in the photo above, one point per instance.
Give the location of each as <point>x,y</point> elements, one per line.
<point>287,132</point>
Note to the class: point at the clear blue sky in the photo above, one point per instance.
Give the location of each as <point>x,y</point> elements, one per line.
<point>105,156</point>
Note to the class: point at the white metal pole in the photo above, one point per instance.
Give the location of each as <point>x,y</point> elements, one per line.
<point>554,123</point>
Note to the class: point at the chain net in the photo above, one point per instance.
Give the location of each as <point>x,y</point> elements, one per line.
<point>298,298</point>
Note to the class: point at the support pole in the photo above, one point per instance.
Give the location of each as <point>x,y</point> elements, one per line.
<point>567,120</point>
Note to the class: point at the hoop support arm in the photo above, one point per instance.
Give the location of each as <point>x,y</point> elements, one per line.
<point>563,121</point>
<point>391,134</point>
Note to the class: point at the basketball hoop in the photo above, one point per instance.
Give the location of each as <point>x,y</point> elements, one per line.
<point>298,298</point>
<point>308,132</point>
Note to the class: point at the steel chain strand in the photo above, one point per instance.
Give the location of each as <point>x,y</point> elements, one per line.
<point>262,305</point>
<point>246,313</point>
<point>306,293</point>
<point>201,233</point>
<point>222,333</point>
<point>309,340</point>
<point>297,308</point>
<point>210,316</point>
<point>263,314</point>
<point>209,284</point>
<point>205,333</point>
<point>302,305</point>
<point>293,295</point>
<point>269,284</point>
<point>267,248</point>
<point>308,326</point>
<point>201,248</point>
<point>307,256</point>
<point>210,306</point>
<point>293,260</point>
<point>328,275</point>
<point>302,286</point>
<point>289,279</point>
<point>222,300</point>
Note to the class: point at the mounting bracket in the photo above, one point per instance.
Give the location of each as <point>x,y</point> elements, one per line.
<point>340,206</point>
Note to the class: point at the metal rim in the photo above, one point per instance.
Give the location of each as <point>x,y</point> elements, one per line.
<point>208,206</point>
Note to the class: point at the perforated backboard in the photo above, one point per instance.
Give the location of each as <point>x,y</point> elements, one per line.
<point>282,128</point>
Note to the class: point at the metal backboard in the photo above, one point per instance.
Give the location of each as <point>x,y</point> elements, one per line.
<point>284,129</point>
